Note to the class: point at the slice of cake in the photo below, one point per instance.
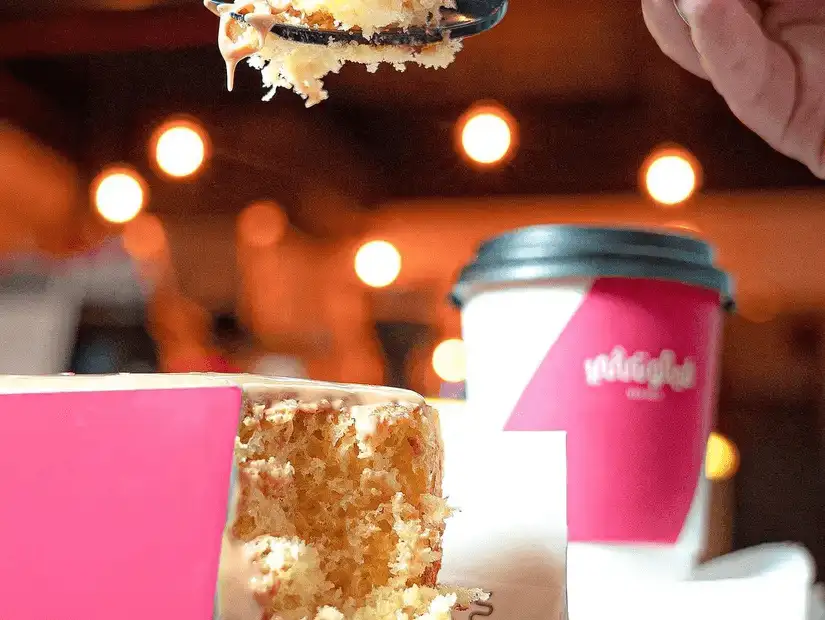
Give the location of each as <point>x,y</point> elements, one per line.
<point>338,512</point>
<point>302,66</point>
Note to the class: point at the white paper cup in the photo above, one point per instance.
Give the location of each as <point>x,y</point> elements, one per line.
<point>611,335</point>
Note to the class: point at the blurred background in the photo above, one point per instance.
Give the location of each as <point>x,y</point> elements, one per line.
<point>150,221</point>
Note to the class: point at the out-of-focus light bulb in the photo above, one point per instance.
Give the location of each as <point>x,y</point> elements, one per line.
<point>119,194</point>
<point>759,311</point>
<point>180,148</point>
<point>262,224</point>
<point>144,237</point>
<point>487,134</point>
<point>671,177</point>
<point>722,460</point>
<point>378,263</point>
<point>450,361</point>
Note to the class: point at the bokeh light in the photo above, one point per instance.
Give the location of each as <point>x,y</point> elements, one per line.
<point>671,177</point>
<point>378,263</point>
<point>758,310</point>
<point>180,148</point>
<point>487,134</point>
<point>262,224</point>
<point>119,194</point>
<point>722,460</point>
<point>144,238</point>
<point>450,361</point>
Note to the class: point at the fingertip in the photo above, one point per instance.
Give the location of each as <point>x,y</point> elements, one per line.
<point>701,13</point>
<point>672,35</point>
<point>693,9</point>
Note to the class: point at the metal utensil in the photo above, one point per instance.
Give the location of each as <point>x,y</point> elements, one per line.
<point>471,17</point>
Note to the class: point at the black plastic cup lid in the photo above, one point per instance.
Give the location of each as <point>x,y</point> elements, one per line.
<point>554,252</point>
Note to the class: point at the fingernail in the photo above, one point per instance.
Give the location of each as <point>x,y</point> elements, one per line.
<point>680,11</point>
<point>691,8</point>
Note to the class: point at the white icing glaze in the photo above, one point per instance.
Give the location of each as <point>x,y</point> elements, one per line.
<point>25,384</point>
<point>233,51</point>
<point>235,600</point>
<point>308,391</point>
<point>301,389</point>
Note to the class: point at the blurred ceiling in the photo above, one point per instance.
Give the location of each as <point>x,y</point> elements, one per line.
<point>591,92</point>
<point>70,6</point>
<point>543,48</point>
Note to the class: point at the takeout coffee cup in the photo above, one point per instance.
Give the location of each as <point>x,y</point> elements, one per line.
<point>613,336</point>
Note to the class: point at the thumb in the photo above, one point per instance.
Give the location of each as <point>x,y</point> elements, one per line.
<point>756,75</point>
<point>672,34</point>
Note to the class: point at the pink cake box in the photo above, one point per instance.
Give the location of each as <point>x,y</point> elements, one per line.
<point>114,495</point>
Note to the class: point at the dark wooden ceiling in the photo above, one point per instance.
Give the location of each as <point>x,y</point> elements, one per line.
<point>591,93</point>
<point>64,7</point>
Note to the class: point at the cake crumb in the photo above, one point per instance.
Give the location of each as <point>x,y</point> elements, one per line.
<point>302,67</point>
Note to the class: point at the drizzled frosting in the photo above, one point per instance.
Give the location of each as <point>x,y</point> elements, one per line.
<point>236,48</point>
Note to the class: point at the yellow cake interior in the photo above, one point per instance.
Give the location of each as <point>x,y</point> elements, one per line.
<point>339,506</point>
<point>364,15</point>
<point>302,67</point>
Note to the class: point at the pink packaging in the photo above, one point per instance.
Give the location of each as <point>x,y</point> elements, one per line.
<point>632,378</point>
<point>115,493</point>
<point>613,336</point>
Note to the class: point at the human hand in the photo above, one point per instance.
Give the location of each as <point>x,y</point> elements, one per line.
<point>766,58</point>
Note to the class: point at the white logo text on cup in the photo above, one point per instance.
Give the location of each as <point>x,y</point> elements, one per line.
<point>644,374</point>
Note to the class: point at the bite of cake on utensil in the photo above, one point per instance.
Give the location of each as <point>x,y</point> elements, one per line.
<point>244,33</point>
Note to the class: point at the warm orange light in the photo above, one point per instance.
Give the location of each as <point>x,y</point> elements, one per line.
<point>378,263</point>
<point>180,148</point>
<point>684,227</point>
<point>144,237</point>
<point>119,194</point>
<point>671,176</point>
<point>450,361</point>
<point>722,458</point>
<point>757,316</point>
<point>487,134</point>
<point>759,311</point>
<point>262,224</point>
